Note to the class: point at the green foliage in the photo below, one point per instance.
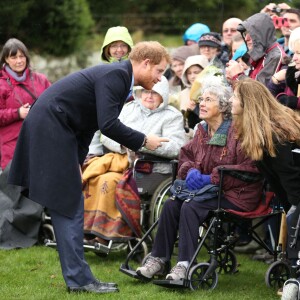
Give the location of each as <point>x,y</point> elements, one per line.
<point>69,22</point>
<point>57,27</point>
<point>11,16</point>
<point>168,17</point>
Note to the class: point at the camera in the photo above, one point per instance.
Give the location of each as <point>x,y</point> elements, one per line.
<point>241,28</point>
<point>279,22</point>
<point>277,10</point>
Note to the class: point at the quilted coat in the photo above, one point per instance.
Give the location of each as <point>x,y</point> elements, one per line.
<point>242,187</point>
<point>12,97</point>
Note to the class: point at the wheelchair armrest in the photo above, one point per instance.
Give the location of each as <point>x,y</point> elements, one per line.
<point>247,176</point>
<point>151,158</point>
<point>156,159</point>
<point>174,163</point>
<point>224,169</point>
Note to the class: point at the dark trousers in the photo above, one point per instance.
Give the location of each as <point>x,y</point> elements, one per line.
<point>185,217</point>
<point>69,238</point>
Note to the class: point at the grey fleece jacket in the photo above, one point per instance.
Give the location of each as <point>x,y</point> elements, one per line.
<point>165,121</point>
<point>262,31</point>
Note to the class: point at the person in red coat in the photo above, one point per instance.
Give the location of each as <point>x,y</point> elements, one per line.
<point>19,88</point>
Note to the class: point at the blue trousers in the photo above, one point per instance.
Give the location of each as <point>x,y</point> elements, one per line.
<point>69,238</point>
<point>185,218</point>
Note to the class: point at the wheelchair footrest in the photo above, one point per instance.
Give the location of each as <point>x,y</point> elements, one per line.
<point>98,248</point>
<point>173,284</point>
<point>51,244</point>
<point>132,273</point>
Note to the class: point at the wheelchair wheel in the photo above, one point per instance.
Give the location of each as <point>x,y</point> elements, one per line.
<point>161,194</point>
<point>47,233</point>
<point>278,272</point>
<point>140,253</point>
<point>227,262</point>
<point>196,275</point>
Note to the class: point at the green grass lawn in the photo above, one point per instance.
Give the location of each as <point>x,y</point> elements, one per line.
<point>35,273</point>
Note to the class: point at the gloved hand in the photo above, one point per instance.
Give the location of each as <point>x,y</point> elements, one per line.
<point>195,180</point>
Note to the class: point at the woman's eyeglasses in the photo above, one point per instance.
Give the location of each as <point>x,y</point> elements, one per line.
<point>206,100</point>
<point>117,46</point>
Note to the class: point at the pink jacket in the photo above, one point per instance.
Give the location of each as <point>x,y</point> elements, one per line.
<point>244,188</point>
<point>12,97</point>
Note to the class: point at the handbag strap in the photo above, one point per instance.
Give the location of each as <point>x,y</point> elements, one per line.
<point>28,91</point>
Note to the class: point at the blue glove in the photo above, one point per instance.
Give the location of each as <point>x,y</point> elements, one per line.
<point>195,180</point>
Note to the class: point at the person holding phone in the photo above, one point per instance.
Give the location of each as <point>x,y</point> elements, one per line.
<point>289,21</point>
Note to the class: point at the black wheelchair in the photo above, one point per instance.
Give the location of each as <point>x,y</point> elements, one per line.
<point>217,240</point>
<point>153,189</point>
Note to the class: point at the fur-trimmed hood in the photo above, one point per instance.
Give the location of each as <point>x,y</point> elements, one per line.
<point>199,60</point>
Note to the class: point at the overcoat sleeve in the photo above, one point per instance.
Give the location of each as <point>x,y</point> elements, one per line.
<point>111,94</point>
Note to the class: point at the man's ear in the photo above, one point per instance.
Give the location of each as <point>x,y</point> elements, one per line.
<point>146,62</point>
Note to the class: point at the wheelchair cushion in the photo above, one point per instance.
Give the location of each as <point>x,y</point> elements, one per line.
<point>144,167</point>
<point>262,209</point>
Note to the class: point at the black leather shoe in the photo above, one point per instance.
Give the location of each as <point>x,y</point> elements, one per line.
<point>95,287</point>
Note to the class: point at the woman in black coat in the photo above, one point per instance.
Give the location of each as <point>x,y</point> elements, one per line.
<point>54,142</point>
<point>269,133</point>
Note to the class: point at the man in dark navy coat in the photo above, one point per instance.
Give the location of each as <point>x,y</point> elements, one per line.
<point>54,140</point>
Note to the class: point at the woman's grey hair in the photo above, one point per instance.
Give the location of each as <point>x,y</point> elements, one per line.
<point>11,48</point>
<point>294,38</point>
<point>216,86</point>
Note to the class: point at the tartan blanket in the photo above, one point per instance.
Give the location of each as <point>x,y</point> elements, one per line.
<point>103,215</point>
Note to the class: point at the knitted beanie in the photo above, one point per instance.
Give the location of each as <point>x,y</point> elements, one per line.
<point>211,39</point>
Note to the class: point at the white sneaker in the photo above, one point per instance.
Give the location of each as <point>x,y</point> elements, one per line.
<point>152,266</point>
<point>290,290</point>
<point>178,272</point>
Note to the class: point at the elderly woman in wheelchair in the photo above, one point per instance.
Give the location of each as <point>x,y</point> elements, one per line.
<point>104,210</point>
<point>214,145</point>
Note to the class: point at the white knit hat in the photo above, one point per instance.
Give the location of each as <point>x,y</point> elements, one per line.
<point>162,87</point>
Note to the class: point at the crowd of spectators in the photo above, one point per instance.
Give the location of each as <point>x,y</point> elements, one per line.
<point>263,48</point>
